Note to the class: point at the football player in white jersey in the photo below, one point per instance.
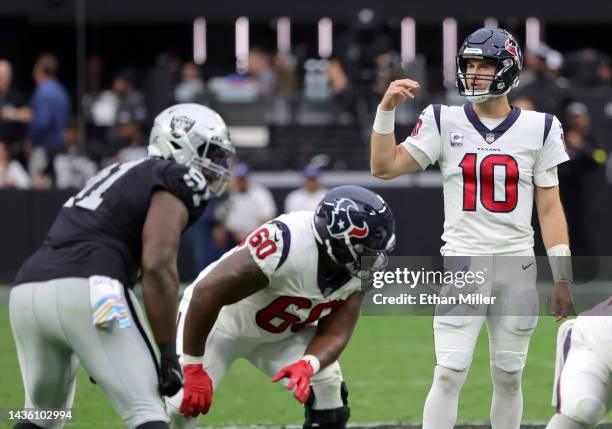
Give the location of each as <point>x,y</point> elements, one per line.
<point>494,160</point>
<point>287,299</point>
<point>583,371</point>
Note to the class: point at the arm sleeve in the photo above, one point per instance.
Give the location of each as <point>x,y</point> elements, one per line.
<point>424,141</point>
<point>269,246</point>
<point>553,152</point>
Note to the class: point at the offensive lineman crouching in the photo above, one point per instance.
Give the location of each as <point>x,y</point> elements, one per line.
<point>262,301</point>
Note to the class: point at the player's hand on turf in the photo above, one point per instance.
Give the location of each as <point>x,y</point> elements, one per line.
<point>398,91</point>
<point>562,301</point>
<point>299,375</point>
<point>197,391</point>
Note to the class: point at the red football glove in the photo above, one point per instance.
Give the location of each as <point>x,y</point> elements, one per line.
<point>299,375</point>
<point>197,391</point>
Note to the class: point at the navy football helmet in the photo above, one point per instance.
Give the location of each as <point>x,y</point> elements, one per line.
<point>356,228</point>
<point>497,45</point>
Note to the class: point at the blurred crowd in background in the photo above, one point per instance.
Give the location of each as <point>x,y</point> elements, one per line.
<point>284,111</point>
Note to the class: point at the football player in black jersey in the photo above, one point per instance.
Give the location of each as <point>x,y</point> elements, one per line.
<point>73,300</point>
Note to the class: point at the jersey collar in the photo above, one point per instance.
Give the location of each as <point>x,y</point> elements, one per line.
<point>490,136</point>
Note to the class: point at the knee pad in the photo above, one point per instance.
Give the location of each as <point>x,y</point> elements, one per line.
<point>506,380</point>
<point>456,360</point>
<point>449,381</point>
<point>509,361</point>
<point>587,410</point>
<point>334,418</point>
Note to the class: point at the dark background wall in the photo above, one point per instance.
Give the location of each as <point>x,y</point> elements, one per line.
<point>27,215</point>
<point>181,10</point>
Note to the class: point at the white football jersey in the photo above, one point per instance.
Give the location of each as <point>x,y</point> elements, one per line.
<point>488,175</point>
<point>298,293</point>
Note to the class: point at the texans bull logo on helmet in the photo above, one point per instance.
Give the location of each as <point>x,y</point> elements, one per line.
<point>512,49</point>
<point>342,225</point>
<point>180,125</point>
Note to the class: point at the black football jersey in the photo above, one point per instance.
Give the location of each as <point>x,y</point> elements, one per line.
<point>99,230</point>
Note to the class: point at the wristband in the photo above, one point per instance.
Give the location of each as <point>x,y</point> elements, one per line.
<point>313,361</point>
<point>384,123</point>
<point>168,349</point>
<point>560,260</point>
<point>192,360</point>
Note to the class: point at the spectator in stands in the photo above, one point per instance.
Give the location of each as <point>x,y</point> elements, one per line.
<point>12,174</point>
<point>130,107</point>
<point>131,99</point>
<point>260,70</point>
<point>579,140</point>
<point>523,103</point>
<point>544,84</point>
<point>309,194</point>
<point>191,89</point>
<point>100,104</point>
<point>71,166</point>
<point>11,101</point>
<point>161,81</point>
<point>582,178</point>
<point>50,105</point>
<point>248,206</point>
<point>132,141</point>
<point>342,92</point>
<point>286,78</point>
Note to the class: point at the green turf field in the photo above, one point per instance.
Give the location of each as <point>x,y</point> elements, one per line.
<point>388,366</point>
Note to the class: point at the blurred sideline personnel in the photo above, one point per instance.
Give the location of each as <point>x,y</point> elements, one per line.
<point>287,299</point>
<point>248,206</point>
<point>73,301</point>
<point>493,157</point>
<point>583,370</point>
<point>308,196</point>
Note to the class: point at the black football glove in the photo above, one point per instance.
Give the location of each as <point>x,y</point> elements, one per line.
<point>171,375</point>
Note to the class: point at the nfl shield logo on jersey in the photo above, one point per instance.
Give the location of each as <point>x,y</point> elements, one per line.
<point>490,138</point>
<point>180,125</point>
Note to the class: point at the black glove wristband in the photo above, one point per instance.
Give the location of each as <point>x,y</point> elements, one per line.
<point>168,350</point>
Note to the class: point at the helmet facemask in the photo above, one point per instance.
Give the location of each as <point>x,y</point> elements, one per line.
<point>359,261</point>
<point>213,160</point>
<point>497,85</point>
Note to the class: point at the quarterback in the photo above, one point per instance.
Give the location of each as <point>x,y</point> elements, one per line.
<point>494,160</point>
<point>287,299</point>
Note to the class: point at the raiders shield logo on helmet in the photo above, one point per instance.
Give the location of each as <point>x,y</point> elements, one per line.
<point>180,125</point>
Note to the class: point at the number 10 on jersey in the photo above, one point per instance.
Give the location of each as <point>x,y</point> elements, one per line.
<point>487,182</point>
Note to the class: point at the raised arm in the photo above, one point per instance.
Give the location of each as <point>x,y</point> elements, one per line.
<point>387,160</point>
